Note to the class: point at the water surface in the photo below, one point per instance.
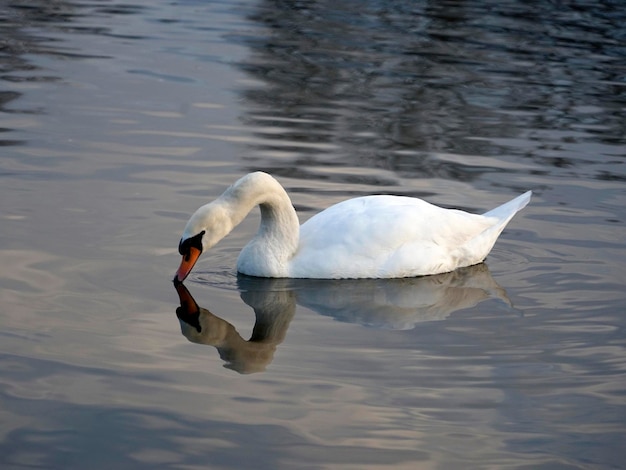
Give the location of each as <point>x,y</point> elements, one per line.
<point>118,119</point>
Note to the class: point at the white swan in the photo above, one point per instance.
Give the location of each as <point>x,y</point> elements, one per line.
<point>365,237</point>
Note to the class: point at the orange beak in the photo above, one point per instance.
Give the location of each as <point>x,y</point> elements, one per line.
<point>187,263</point>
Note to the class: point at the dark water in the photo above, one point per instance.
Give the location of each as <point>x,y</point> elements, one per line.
<point>118,119</point>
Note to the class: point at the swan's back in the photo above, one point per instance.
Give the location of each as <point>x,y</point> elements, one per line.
<point>395,236</point>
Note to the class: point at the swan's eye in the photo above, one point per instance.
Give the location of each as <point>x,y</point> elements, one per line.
<point>185,246</point>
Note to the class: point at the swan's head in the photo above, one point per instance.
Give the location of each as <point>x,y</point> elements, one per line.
<point>205,228</point>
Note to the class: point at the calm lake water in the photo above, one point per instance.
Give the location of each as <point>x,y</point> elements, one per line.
<point>119,118</point>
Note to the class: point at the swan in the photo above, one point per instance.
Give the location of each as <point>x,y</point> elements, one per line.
<point>377,236</point>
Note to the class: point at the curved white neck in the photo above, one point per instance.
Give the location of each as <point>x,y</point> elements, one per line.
<point>278,217</point>
<point>277,238</point>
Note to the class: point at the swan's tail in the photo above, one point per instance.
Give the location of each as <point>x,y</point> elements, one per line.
<point>507,210</point>
<point>481,245</point>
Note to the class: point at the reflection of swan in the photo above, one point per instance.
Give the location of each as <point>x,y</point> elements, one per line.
<point>380,303</point>
<point>274,311</point>
<point>396,304</point>
<point>366,237</point>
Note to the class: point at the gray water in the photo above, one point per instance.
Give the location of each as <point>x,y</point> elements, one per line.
<point>118,119</point>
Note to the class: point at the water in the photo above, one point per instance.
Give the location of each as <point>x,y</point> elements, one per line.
<point>119,119</point>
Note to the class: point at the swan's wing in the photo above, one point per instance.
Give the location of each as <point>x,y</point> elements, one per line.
<point>384,236</point>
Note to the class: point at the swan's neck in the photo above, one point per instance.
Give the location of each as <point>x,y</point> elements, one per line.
<point>277,238</point>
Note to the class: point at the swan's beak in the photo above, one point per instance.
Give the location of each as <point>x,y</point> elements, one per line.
<point>187,263</point>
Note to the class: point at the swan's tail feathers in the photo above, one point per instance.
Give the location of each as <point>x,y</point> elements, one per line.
<point>507,210</point>
<point>482,244</point>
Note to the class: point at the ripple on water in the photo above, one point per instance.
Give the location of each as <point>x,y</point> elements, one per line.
<point>110,144</point>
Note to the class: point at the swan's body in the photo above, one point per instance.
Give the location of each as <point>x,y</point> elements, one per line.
<point>365,237</point>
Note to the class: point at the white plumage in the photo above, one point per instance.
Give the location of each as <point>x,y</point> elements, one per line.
<point>365,237</point>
